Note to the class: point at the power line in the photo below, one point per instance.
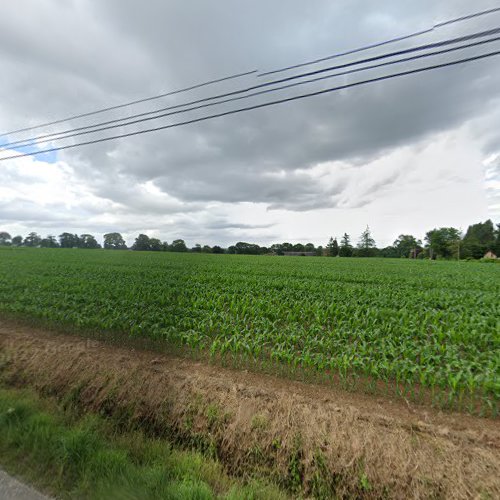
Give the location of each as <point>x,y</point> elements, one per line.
<point>468,16</point>
<point>138,101</point>
<point>258,106</point>
<point>385,42</point>
<point>75,133</point>
<point>54,136</point>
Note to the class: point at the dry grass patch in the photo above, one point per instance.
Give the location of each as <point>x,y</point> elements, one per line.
<point>312,440</point>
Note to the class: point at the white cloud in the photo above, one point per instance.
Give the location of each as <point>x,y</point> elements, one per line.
<point>402,156</point>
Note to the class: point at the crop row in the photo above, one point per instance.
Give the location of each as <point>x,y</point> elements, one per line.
<point>432,325</point>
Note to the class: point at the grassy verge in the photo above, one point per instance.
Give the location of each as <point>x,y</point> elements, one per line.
<point>311,442</point>
<point>73,456</point>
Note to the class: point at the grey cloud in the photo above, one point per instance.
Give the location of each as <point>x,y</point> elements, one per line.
<point>92,53</point>
<point>227,163</point>
<point>380,184</point>
<point>225,224</point>
<point>291,189</point>
<point>32,213</point>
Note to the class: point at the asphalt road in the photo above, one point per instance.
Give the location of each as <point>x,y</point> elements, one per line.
<point>12,489</point>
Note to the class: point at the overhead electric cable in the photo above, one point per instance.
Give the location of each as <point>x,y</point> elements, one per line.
<point>55,135</point>
<point>258,106</point>
<point>130,103</point>
<point>138,101</point>
<point>382,43</point>
<point>78,131</point>
<point>467,17</point>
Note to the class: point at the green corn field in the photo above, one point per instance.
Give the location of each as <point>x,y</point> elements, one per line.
<point>424,330</point>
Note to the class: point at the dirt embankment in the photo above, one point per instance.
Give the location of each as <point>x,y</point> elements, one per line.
<point>313,439</point>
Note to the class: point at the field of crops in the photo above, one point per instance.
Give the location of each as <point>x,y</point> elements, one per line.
<point>426,328</point>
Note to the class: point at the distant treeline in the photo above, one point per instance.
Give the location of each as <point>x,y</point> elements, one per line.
<point>442,243</point>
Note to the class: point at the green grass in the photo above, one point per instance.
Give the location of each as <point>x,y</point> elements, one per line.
<point>416,324</point>
<point>87,457</point>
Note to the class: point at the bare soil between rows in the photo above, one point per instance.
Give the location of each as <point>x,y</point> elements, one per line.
<point>312,439</point>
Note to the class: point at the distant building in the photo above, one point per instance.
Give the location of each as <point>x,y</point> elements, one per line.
<point>299,254</point>
<point>489,255</point>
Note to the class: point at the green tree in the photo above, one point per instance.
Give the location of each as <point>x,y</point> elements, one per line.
<point>496,246</point>
<point>390,251</point>
<point>206,249</point>
<point>345,249</point>
<point>142,243</point>
<point>442,242</point>
<point>196,248</point>
<point>114,241</point>
<point>17,241</point>
<point>32,240</point>
<point>332,247</point>
<point>247,248</point>
<point>478,239</point>
<point>407,245</point>
<point>217,249</point>
<point>68,240</point>
<point>276,248</point>
<point>178,246</point>
<point>88,241</point>
<point>366,244</point>
<point>155,245</point>
<point>5,238</point>
<point>49,242</point>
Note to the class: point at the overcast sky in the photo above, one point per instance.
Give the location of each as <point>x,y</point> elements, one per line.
<point>402,156</point>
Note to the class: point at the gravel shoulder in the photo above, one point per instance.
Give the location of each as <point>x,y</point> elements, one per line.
<point>13,489</point>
